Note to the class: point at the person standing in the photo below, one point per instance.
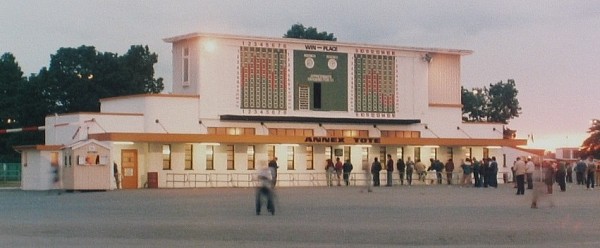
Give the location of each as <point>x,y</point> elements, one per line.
<point>401,168</point>
<point>591,173</point>
<point>389,167</point>
<point>549,175</point>
<point>570,172</point>
<point>529,173</point>
<point>273,166</point>
<point>410,166</point>
<point>347,168</point>
<point>561,176</point>
<point>329,170</point>
<point>375,169</point>
<point>449,166</point>
<point>580,169</point>
<point>520,171</point>
<point>493,173</point>
<point>484,172</point>
<point>265,189</point>
<point>338,170</point>
<point>476,172</point>
<point>116,174</point>
<point>467,167</point>
<point>420,168</point>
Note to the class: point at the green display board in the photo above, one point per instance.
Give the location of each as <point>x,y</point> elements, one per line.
<point>320,81</point>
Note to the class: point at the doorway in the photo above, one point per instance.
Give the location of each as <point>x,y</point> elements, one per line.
<point>129,169</point>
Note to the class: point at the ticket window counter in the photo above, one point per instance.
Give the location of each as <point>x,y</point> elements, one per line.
<point>86,166</point>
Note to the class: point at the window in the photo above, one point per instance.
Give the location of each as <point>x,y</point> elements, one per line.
<point>290,157</point>
<point>186,66</point>
<point>365,155</point>
<point>189,156</point>
<point>251,161</point>
<point>417,153</point>
<point>346,153</point>
<point>434,153</point>
<point>400,152</point>
<point>382,155</point>
<point>166,151</point>
<point>230,157</point>
<point>328,153</point>
<point>210,155</point>
<point>271,152</point>
<point>310,163</point>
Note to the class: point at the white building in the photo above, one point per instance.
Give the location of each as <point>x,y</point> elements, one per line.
<point>239,101</point>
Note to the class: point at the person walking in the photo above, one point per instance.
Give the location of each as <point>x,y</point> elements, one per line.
<point>529,173</point>
<point>375,169</point>
<point>389,167</point>
<point>591,173</point>
<point>367,171</point>
<point>449,166</point>
<point>273,167</point>
<point>401,167</point>
<point>410,166</point>
<point>329,170</point>
<point>265,190</point>
<point>339,167</point>
<point>520,171</point>
<point>540,188</point>
<point>347,168</point>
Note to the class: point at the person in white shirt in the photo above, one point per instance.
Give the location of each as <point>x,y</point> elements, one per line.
<point>530,168</point>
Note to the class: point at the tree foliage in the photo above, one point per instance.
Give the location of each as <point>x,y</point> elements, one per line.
<point>298,31</point>
<point>79,77</point>
<point>498,103</point>
<point>591,145</point>
<point>75,81</point>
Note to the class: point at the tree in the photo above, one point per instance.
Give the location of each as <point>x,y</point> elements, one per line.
<point>503,104</point>
<point>11,79</point>
<point>499,103</point>
<point>298,31</point>
<point>79,77</point>
<point>474,104</point>
<point>591,145</point>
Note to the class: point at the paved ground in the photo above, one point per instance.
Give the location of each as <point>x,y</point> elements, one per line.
<point>424,216</point>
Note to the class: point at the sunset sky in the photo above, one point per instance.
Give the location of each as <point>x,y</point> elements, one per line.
<point>550,48</point>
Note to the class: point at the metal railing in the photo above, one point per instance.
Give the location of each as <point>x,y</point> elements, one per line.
<point>10,172</point>
<point>201,180</point>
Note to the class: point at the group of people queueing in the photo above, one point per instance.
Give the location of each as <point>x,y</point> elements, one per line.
<point>484,172</point>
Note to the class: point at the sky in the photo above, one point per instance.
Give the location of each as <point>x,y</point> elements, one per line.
<point>550,48</point>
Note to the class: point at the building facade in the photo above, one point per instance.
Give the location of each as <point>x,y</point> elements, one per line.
<point>240,101</point>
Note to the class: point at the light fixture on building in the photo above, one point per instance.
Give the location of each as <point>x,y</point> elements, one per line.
<point>123,143</point>
<point>427,57</point>
<point>210,144</point>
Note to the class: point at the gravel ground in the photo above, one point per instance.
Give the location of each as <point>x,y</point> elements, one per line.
<point>423,216</point>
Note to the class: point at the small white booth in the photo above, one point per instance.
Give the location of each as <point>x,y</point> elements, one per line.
<point>86,166</point>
